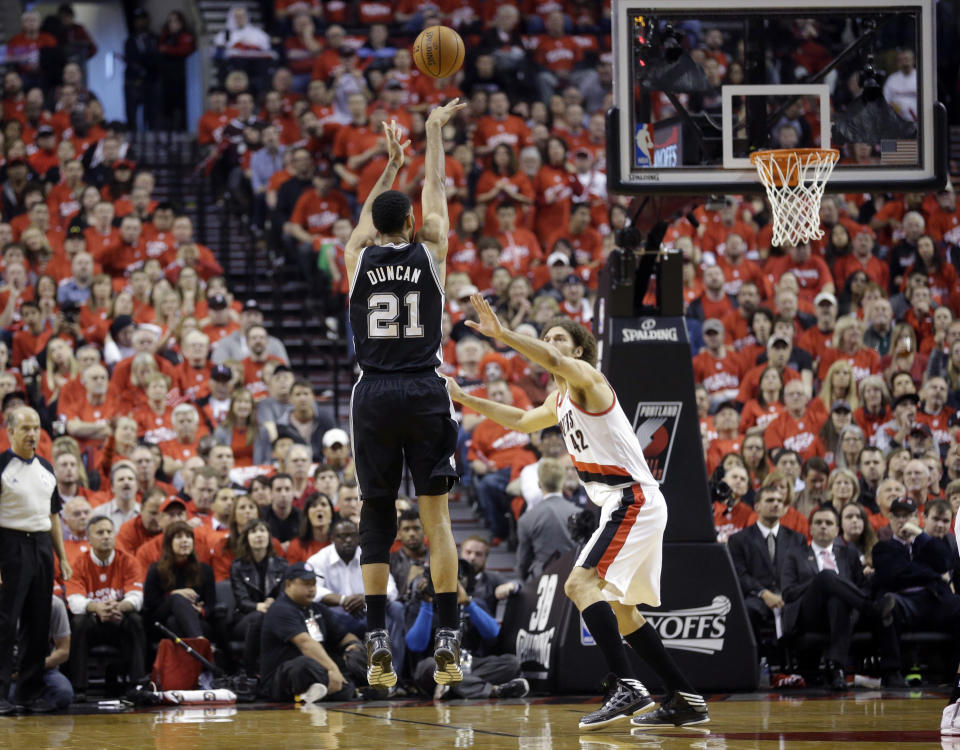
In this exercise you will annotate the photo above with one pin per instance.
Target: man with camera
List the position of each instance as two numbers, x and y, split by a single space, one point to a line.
485 674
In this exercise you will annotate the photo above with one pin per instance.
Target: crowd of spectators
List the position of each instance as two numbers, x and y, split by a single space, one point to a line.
190 458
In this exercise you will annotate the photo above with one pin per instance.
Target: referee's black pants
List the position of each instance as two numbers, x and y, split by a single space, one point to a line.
26 593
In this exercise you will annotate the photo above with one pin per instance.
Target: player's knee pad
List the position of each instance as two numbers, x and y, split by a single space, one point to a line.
378 529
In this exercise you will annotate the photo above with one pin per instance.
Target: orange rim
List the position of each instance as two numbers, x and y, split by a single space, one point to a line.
787 164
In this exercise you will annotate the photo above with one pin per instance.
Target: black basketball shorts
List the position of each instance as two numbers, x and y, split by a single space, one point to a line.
396 417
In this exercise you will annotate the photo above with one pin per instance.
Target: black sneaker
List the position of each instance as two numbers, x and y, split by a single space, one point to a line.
7 708
446 653
516 688
39 706
622 698
683 709
380 672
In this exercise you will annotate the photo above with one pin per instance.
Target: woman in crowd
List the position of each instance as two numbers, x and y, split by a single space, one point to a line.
903 356
838 418
753 451
256 577
503 181
768 405
259 491
852 441
95 312
842 487
242 512
242 431
856 531
761 326
462 250
839 385
316 521
89 197
851 296
179 590
874 409
61 368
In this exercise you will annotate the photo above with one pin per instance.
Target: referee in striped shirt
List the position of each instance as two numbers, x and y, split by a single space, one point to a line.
29 532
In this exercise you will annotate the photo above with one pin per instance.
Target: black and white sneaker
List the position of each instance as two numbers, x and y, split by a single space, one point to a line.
683 709
380 671
446 653
622 698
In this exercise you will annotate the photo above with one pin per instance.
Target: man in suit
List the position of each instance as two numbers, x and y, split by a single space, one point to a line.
916 568
758 554
542 530
822 583
937 517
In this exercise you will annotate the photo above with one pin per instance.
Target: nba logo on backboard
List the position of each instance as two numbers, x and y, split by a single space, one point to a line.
656 426
643 146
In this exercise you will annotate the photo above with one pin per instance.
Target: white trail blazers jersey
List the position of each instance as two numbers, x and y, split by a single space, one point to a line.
603 445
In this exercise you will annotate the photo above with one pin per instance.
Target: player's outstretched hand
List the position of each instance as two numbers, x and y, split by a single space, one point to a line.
487 321
440 116
395 143
456 392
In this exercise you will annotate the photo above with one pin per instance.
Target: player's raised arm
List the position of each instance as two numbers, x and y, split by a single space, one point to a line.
436 221
577 373
364 233
509 416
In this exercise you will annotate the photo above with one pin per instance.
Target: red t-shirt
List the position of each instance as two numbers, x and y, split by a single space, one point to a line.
799 435
718 374
317 213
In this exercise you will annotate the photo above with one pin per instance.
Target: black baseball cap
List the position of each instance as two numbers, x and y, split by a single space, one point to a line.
75 233
251 304
303 571
221 373
903 505
903 397
573 279
217 302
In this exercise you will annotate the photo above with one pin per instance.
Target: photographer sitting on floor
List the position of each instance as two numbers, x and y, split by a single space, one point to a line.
484 676
304 655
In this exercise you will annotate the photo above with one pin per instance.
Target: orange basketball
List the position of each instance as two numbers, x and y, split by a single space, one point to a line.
438 51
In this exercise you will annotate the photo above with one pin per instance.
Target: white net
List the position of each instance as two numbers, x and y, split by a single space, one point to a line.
794 181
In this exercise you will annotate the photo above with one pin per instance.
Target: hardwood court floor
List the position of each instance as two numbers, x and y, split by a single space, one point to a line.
856 720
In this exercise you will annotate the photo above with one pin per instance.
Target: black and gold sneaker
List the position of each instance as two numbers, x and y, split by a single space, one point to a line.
380 672
446 653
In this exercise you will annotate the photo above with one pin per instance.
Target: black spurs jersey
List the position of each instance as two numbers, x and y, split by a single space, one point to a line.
396 306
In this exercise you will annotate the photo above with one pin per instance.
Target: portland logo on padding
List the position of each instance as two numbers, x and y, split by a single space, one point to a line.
656 423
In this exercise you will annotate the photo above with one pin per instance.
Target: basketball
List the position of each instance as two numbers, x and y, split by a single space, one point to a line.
438 51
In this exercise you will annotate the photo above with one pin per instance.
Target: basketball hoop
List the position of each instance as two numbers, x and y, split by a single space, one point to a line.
794 180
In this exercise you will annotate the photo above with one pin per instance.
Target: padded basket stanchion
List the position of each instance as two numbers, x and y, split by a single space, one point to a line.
794 180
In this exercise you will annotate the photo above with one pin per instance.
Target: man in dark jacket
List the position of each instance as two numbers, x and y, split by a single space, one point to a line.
916 568
822 583
759 552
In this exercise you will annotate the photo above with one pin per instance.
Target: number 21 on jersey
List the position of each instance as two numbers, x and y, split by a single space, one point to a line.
383 313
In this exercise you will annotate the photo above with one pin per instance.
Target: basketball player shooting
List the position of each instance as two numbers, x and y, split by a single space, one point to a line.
400 409
619 567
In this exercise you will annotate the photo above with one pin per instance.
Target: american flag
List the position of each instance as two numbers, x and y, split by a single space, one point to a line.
899 152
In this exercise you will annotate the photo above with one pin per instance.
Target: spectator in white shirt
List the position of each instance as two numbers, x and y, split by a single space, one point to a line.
900 88
340 587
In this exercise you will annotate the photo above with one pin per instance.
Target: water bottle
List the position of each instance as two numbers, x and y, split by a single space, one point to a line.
764 673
